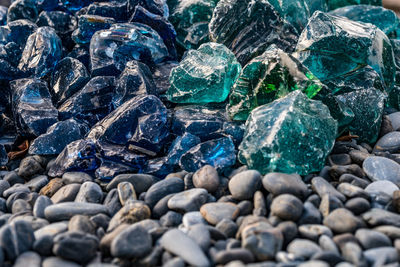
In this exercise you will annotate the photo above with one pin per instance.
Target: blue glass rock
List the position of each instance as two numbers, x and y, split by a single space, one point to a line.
259 27
42 51
284 135
140 123
161 73
205 75
19 31
219 153
154 6
383 18
32 107
159 167
109 169
88 25
80 155
181 145
9 72
121 154
190 19
111 49
11 52
113 9
81 53
22 9
3 156
75 5
160 24
47 5
92 102
331 46
57 137
334 4
69 76
136 79
3 15
63 23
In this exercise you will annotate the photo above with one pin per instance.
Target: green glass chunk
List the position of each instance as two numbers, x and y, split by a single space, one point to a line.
383 18
205 75
293 134
333 4
331 46
272 75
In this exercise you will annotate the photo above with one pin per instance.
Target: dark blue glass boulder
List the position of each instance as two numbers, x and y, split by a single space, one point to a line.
140 123
11 52
22 9
159 167
3 15
136 79
111 49
47 5
81 53
79 155
161 74
113 9
259 26
109 169
42 51
219 153
69 76
32 107
18 31
92 102
75 5
8 71
88 25
160 24
158 7
63 23
3 156
57 137
179 146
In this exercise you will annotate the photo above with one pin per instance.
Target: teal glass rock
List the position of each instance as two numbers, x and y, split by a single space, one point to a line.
205 75
293 134
270 76
331 46
383 18
333 4
298 12
190 19
248 28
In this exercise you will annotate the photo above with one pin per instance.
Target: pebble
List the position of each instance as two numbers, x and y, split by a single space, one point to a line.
131 213
390 142
37 183
66 210
390 231
327 244
226 256
314 231
192 218
352 191
161 207
287 207
395 120
303 248
89 192
281 183
381 256
29 258
380 168
328 204
133 242
354 180
357 205
171 219
339 159
310 215
244 184
52 187
141 182
342 221
227 227
57 262
376 217
213 213
260 208
66 193
206 177
75 246
163 188
81 223
372 239
126 192
13 178
16 238
76 178
29 166
201 235
352 253
189 200
4 185
322 188
178 243
378 187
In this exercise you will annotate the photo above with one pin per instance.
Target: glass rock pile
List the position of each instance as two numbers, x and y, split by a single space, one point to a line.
157 86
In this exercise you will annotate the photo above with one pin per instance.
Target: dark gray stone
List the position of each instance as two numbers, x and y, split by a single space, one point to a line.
281 183
16 238
376 217
163 188
189 200
244 184
380 168
215 212
89 192
76 178
81 223
65 211
287 207
29 258
372 239
206 177
141 182
342 221
41 203
37 183
133 242
390 142
322 188
303 248
357 205
66 193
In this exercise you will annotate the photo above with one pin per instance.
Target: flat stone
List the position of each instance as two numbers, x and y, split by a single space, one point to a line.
244 184
287 207
163 188
89 192
376 217
176 242
133 242
342 221
303 248
395 120
322 187
28 258
372 239
56 261
189 200
41 203
215 212
131 213
16 238
66 210
390 142
282 183
380 168
141 182
76 178
66 193
382 186
206 177
226 256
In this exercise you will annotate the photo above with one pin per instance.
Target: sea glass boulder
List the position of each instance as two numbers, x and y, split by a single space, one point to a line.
190 19
92 103
265 78
249 27
219 153
57 137
88 25
298 12
334 4
284 135
79 155
386 20
331 46
140 123
32 107
111 49
205 75
42 51
69 76
136 79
